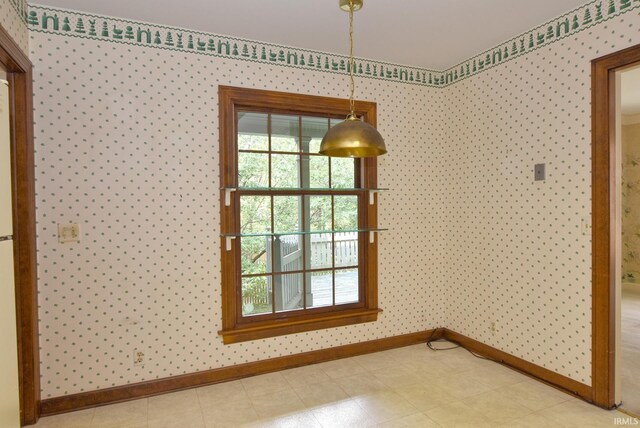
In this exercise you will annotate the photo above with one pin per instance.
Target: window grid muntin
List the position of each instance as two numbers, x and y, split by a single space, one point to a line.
303 220
254 275
273 191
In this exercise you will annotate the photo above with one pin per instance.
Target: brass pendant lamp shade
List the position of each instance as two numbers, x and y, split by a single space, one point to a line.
352 138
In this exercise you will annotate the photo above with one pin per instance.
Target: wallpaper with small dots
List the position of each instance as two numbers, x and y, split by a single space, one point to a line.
517 250
13 19
127 146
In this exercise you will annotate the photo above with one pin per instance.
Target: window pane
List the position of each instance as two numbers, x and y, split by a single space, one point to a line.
334 121
255 214
287 253
321 289
253 132
320 248
253 170
285 133
318 171
346 245
346 286
255 252
288 292
286 212
343 173
319 212
346 212
313 130
256 295
314 145
285 171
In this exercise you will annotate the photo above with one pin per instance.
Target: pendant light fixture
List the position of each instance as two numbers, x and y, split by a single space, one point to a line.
352 138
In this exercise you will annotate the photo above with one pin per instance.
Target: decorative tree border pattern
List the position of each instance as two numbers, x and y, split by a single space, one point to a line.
79 24
21 7
84 25
581 18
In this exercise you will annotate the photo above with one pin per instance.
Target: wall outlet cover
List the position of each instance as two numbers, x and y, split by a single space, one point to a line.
138 358
68 233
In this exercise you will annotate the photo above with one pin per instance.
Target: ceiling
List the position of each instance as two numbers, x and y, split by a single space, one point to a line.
630 91
435 34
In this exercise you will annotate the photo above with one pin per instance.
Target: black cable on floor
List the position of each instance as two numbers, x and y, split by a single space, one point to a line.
430 342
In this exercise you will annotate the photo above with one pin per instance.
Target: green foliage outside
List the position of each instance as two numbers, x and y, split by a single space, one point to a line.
253 171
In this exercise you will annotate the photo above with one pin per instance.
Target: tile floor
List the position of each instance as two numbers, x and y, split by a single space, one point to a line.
630 359
405 387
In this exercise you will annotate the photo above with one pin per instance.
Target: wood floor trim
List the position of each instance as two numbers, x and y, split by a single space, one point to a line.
118 394
547 376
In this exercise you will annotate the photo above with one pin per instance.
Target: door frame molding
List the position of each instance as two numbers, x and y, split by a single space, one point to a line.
604 220
19 75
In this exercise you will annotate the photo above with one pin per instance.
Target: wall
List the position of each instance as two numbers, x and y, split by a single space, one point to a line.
519 246
128 148
13 18
630 201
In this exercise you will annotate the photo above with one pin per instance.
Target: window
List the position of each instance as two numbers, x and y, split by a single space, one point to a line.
299 244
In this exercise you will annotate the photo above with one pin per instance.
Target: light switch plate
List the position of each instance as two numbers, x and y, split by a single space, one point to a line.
68 233
539 171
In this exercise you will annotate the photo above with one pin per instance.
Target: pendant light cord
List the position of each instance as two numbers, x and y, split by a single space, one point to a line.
352 62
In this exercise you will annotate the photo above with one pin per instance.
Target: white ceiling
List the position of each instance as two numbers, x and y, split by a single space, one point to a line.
630 91
433 34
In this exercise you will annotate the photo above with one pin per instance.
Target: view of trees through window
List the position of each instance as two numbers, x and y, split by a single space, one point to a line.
298 216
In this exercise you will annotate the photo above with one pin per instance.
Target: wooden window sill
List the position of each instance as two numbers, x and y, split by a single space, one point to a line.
262 330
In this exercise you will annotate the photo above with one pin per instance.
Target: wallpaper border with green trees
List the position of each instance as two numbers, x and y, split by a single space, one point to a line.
79 24
579 19
21 7
84 25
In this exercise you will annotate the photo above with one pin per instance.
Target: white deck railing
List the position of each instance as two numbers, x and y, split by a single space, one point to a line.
287 257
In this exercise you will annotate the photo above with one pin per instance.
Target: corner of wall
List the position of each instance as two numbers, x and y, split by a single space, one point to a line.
13 18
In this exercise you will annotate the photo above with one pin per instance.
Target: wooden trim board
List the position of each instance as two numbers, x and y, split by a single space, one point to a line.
118 394
525 367
604 217
19 74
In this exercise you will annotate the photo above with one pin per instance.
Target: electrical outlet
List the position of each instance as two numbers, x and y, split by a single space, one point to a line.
68 233
138 358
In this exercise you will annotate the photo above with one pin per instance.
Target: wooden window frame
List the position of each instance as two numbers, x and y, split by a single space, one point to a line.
235 328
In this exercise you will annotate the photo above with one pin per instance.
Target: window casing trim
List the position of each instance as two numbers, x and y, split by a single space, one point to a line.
235 327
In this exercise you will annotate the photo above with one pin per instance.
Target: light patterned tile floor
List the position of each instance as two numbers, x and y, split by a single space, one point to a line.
630 359
406 387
